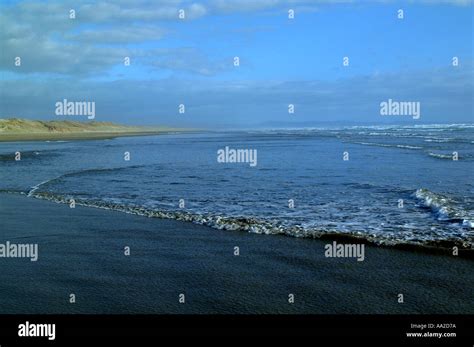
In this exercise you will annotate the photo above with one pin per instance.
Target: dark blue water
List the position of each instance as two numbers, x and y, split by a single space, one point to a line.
400 184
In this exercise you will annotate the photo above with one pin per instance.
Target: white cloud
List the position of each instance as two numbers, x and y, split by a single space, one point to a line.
49 42
244 102
115 34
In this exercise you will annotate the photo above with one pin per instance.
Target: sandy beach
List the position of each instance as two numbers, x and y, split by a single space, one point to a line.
14 129
81 251
75 136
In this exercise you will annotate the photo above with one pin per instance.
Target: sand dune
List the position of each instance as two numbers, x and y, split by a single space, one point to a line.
15 129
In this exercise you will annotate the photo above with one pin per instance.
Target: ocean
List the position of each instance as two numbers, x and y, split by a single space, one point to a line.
398 184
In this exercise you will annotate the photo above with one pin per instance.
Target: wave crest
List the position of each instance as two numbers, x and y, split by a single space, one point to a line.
257 226
444 208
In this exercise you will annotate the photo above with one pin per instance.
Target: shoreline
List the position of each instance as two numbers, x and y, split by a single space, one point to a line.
82 136
16 129
440 247
81 252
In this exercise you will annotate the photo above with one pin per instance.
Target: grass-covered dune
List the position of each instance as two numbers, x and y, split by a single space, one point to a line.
14 129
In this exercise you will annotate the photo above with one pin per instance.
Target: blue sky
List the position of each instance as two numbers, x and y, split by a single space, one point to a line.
282 61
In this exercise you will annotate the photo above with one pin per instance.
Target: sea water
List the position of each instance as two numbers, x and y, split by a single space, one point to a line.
386 184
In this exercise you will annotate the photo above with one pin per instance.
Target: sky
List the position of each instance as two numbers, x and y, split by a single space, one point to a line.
282 60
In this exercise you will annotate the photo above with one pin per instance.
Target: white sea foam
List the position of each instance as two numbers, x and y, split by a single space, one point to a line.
272 227
388 145
440 156
409 147
440 140
445 208
33 189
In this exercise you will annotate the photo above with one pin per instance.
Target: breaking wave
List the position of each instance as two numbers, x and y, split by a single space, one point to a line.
441 156
258 226
444 208
387 145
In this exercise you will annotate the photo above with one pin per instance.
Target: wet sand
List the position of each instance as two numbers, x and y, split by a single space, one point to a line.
81 251
75 136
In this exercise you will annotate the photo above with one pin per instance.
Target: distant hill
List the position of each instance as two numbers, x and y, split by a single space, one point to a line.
15 129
